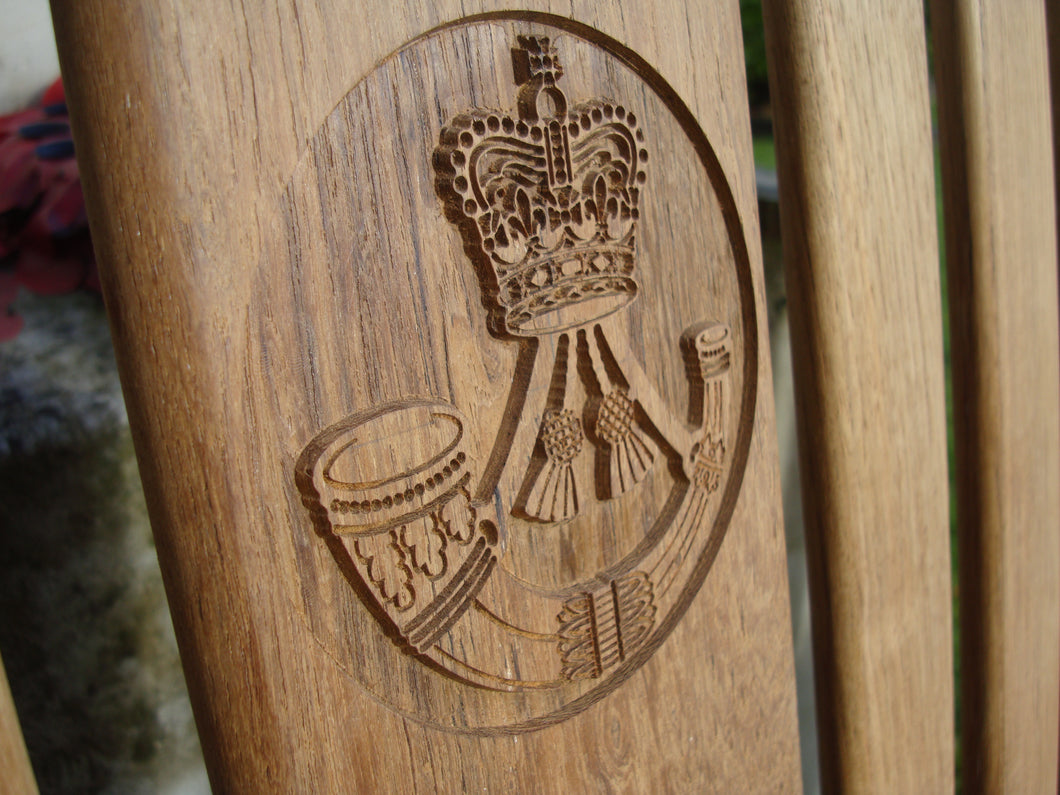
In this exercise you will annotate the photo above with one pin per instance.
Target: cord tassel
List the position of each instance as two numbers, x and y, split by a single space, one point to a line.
553 492
554 497
630 453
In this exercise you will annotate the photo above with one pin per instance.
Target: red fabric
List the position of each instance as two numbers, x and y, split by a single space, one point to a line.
44 242
54 94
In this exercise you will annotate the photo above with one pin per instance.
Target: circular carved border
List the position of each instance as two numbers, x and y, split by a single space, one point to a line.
462 522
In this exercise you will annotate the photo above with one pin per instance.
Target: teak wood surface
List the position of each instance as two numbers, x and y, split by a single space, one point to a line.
853 129
994 125
14 761
309 302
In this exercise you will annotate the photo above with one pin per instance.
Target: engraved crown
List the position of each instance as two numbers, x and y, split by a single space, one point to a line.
546 202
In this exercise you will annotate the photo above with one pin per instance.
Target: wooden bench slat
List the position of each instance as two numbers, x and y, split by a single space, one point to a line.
850 98
992 76
241 336
17 774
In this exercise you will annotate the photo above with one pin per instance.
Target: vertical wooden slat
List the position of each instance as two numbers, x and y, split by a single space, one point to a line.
204 137
850 94
1052 27
1001 252
16 775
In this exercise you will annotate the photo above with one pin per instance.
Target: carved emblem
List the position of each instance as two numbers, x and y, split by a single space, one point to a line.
548 203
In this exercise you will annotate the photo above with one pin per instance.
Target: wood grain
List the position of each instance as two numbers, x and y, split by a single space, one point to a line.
17 777
849 86
300 311
994 126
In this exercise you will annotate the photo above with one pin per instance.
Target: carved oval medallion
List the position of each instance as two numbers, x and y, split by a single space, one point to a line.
530 344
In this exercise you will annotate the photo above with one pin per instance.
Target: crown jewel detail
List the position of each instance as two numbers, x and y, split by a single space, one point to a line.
547 202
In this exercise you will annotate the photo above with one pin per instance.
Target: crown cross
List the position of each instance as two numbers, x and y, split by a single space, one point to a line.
536 59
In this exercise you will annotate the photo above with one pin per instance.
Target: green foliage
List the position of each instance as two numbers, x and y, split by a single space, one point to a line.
764 151
754 45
